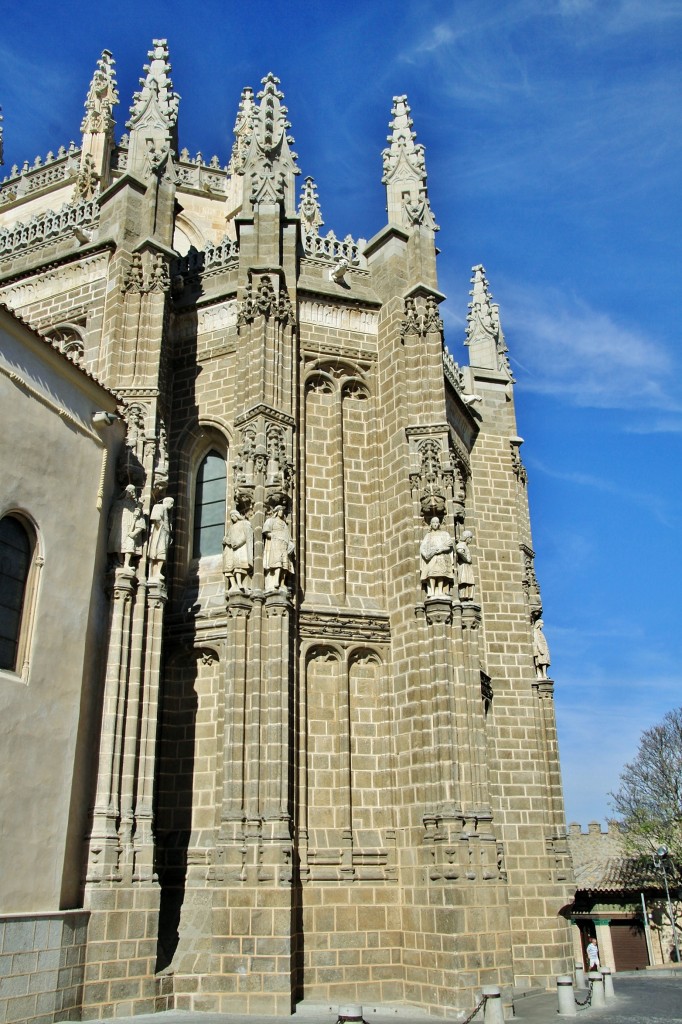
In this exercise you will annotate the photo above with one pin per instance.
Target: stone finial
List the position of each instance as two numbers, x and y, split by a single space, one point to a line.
1 141
268 162
309 208
155 103
102 97
153 118
405 173
487 347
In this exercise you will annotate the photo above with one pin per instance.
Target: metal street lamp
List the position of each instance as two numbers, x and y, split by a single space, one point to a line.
659 864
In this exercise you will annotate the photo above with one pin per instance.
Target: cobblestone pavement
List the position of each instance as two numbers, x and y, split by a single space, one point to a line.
640 999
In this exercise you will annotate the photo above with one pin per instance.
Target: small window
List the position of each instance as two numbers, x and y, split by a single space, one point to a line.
210 506
16 553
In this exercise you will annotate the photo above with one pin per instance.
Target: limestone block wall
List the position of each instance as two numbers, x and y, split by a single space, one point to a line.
69 294
525 786
42 963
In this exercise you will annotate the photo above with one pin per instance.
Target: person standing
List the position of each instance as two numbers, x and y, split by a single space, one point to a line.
593 955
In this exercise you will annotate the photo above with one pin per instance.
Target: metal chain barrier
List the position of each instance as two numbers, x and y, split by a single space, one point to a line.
467 1020
588 998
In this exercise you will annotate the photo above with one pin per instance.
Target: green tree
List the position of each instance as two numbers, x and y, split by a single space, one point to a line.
648 803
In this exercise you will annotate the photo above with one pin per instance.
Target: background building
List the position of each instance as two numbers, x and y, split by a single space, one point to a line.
621 900
327 765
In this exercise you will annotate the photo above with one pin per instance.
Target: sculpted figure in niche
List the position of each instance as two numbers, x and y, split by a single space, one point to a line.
126 528
465 571
436 559
237 552
278 549
160 539
540 650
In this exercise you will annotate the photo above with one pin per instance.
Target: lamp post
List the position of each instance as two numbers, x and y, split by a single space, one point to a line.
659 864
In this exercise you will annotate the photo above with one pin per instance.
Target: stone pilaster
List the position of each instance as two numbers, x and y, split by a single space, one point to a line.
103 860
143 839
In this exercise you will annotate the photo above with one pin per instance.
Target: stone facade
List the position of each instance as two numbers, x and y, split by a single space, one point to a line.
328 766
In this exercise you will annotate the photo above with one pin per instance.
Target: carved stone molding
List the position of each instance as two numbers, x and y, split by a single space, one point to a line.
421 320
517 463
343 318
58 279
142 276
530 584
317 624
438 610
268 412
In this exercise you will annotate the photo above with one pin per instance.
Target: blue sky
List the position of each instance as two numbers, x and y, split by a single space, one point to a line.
553 134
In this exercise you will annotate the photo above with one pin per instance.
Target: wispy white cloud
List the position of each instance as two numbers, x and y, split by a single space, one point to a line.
580 137
656 425
562 346
619 17
657 506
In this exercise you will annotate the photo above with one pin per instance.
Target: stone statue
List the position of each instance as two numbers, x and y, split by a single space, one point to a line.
278 549
237 552
465 571
436 558
160 539
126 527
540 650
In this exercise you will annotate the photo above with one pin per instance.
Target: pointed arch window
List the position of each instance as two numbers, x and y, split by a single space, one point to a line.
17 548
210 505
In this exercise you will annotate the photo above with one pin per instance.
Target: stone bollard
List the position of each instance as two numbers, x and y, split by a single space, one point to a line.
609 993
580 976
350 1014
598 1001
564 991
493 1011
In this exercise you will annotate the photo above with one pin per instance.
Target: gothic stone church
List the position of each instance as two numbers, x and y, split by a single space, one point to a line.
277 728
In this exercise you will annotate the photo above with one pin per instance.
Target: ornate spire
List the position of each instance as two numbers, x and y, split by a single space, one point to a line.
94 173
243 130
309 208
269 164
405 172
155 103
487 347
153 117
102 97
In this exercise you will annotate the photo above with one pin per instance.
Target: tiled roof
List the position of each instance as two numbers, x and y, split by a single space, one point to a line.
618 874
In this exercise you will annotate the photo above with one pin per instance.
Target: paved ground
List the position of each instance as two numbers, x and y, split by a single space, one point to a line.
641 998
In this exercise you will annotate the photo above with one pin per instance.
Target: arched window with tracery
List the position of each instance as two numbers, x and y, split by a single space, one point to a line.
210 505
17 548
